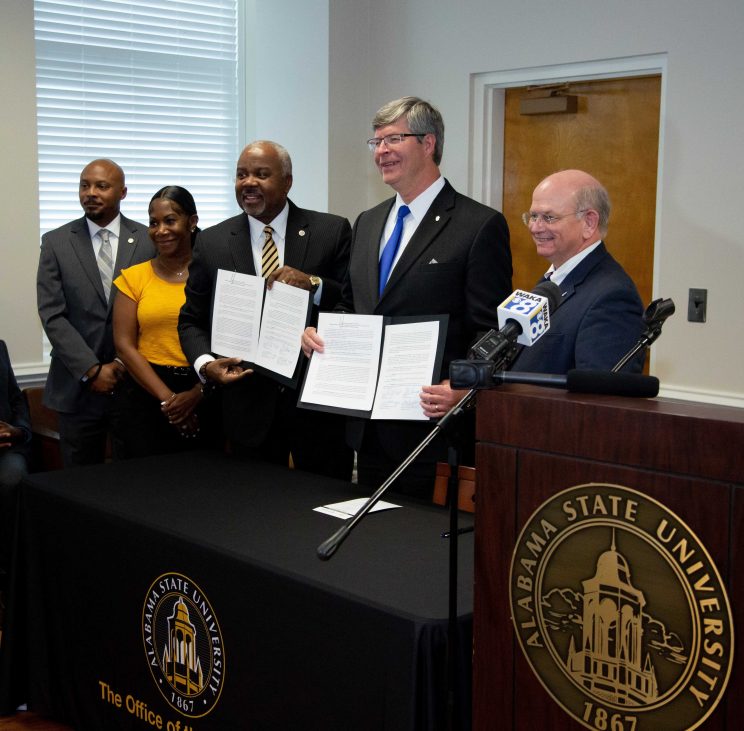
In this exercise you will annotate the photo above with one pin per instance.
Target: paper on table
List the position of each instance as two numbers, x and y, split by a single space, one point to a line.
236 315
284 319
408 358
344 375
348 508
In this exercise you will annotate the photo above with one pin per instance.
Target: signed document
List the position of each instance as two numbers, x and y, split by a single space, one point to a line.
373 366
284 319
260 326
236 314
407 364
345 374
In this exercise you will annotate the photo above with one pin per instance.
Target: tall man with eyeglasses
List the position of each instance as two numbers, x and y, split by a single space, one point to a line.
452 257
600 316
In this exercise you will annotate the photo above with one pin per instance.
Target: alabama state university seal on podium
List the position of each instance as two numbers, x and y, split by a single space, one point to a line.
620 611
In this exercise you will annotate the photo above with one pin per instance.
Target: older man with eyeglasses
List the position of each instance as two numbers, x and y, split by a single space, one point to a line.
600 315
427 251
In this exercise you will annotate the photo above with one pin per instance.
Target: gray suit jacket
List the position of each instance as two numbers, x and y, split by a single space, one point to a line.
73 308
316 243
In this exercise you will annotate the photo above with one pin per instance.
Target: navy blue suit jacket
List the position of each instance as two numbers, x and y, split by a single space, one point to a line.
598 321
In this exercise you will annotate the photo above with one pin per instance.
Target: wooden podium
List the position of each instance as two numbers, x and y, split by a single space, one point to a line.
534 442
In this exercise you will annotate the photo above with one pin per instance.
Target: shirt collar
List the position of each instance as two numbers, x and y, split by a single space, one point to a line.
112 227
559 274
279 224
421 203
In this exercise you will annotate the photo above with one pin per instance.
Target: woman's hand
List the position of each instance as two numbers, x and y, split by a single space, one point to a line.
180 406
189 427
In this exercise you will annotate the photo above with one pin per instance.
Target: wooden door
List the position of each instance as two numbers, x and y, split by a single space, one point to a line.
614 136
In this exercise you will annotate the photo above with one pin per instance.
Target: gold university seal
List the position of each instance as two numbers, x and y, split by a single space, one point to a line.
620 611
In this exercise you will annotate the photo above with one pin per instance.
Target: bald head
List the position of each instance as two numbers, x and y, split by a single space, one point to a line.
281 153
263 178
587 192
581 207
112 168
101 191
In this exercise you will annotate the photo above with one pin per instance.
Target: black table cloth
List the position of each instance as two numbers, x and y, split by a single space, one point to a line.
358 642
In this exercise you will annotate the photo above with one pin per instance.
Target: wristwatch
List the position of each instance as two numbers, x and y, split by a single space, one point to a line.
315 281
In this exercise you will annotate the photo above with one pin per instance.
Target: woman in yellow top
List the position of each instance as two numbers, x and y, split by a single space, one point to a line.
157 406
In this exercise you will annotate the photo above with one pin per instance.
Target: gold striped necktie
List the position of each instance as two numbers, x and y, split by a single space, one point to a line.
269 254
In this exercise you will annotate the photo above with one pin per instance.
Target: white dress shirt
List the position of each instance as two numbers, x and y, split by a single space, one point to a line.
419 206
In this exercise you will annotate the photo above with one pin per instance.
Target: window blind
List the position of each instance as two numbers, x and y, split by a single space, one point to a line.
151 85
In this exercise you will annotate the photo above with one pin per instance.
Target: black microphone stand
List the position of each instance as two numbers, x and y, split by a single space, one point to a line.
654 317
326 549
500 348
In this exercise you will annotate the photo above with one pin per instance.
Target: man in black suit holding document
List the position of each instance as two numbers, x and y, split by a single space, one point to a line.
276 239
449 255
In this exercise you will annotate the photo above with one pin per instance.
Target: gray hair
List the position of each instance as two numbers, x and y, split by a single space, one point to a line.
597 198
422 118
284 159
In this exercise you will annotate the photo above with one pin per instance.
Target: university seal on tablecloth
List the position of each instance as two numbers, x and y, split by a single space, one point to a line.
620 611
183 645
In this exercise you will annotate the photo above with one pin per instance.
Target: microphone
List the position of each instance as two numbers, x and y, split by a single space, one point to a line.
654 318
524 317
634 385
658 311
481 374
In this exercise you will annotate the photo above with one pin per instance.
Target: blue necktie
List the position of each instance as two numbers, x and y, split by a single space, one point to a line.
391 247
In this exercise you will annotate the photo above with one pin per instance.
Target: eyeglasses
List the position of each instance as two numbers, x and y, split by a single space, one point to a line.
546 218
392 140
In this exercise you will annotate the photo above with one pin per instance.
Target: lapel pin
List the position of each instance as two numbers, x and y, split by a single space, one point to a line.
437 218
302 232
130 240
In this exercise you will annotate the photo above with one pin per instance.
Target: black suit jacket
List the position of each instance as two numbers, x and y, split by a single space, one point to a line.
73 308
458 262
316 243
599 319
13 406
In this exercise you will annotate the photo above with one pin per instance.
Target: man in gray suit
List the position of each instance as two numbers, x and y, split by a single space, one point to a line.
452 257
273 238
77 264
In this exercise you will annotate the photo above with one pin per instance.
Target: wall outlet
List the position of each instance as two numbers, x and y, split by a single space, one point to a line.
697 305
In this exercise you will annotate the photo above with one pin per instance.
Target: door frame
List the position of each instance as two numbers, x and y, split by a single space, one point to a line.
487 101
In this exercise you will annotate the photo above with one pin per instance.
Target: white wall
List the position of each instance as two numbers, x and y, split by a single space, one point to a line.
431 48
19 194
288 64
332 63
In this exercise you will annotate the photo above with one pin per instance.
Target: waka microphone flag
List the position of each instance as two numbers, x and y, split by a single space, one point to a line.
530 310
524 317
